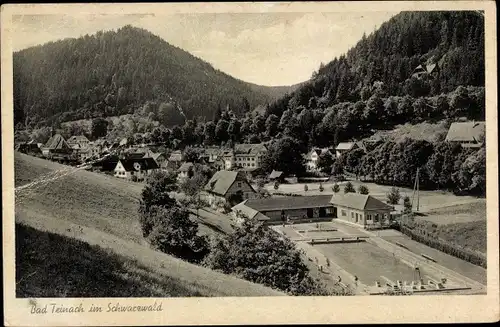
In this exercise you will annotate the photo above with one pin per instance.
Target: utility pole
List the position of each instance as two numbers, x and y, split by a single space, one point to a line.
415 190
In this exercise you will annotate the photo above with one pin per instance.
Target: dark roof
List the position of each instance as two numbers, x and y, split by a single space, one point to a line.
145 164
57 142
222 180
464 132
244 148
358 201
289 202
134 155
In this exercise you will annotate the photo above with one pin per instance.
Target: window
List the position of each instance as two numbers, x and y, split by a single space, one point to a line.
253 159
352 214
239 184
132 173
344 213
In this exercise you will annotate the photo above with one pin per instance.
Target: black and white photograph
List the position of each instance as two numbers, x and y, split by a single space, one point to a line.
265 153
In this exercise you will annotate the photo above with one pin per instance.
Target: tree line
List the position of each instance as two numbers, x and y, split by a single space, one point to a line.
115 73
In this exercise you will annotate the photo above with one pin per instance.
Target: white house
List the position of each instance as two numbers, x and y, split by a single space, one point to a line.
246 156
312 158
138 167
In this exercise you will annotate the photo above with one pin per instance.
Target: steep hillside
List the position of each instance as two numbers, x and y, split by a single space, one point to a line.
417 67
116 72
87 208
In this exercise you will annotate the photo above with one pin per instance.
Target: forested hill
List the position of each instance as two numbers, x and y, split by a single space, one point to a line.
117 72
449 46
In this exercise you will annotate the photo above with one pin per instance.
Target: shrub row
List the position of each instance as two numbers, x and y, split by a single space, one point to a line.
287 194
446 247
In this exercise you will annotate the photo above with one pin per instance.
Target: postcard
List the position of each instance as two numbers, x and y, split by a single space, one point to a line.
249 163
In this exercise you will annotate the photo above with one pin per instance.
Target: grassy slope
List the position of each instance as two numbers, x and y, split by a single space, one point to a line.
464 225
51 265
422 131
101 210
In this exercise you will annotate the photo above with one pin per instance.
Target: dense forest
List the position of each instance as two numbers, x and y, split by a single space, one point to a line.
114 73
452 41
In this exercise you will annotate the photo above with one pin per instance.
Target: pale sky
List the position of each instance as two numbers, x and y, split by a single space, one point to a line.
262 48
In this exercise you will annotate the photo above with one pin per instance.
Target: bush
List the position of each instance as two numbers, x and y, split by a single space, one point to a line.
407 204
176 234
276 185
349 188
393 196
335 188
321 188
306 188
363 189
260 255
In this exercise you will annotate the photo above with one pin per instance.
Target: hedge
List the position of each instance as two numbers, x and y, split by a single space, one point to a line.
446 247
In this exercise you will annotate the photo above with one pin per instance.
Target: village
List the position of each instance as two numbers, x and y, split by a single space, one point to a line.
311 211
147 164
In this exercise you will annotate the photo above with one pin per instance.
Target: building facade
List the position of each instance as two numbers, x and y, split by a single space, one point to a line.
246 156
225 185
361 209
276 209
137 168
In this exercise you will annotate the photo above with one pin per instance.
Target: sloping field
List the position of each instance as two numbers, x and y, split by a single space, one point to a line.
101 210
422 131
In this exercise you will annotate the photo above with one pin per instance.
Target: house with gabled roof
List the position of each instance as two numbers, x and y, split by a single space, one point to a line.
274 209
138 167
344 147
56 145
360 209
175 160
78 141
276 175
225 184
467 134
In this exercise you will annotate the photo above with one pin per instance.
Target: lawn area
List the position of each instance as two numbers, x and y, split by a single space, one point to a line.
51 265
462 213
90 199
